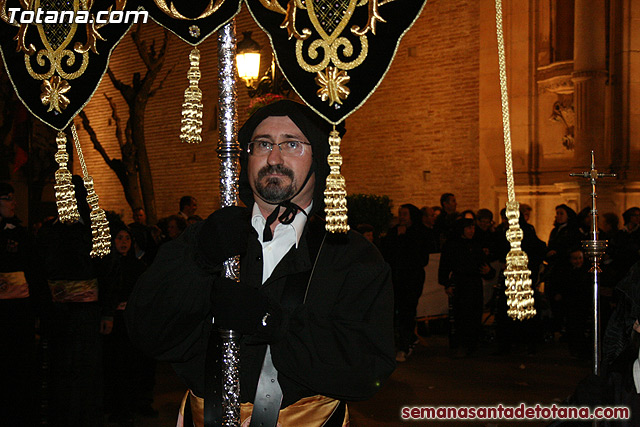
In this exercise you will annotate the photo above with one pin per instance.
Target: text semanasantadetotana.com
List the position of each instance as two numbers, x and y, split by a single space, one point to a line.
521 412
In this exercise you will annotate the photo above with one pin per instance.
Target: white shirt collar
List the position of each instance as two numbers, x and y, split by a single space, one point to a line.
258 222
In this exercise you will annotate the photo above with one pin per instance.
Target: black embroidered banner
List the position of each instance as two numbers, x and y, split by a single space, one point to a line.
56 62
334 53
194 20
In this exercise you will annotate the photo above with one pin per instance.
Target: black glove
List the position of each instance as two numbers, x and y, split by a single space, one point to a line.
225 234
237 306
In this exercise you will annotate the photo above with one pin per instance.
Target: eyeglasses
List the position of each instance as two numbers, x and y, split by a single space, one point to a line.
287 148
8 198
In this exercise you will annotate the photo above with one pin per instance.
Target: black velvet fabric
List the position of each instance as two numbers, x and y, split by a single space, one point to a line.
192 9
82 88
364 78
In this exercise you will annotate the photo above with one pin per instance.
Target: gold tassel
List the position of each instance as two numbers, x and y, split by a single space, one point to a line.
100 233
335 193
517 274
192 107
65 193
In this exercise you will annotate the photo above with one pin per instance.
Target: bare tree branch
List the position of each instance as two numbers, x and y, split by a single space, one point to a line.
165 43
116 83
141 46
118 121
86 124
153 92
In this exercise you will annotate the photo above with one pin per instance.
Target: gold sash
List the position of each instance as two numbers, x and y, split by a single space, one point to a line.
74 290
13 285
312 411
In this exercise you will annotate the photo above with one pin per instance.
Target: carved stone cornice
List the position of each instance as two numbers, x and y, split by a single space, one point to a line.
581 76
555 78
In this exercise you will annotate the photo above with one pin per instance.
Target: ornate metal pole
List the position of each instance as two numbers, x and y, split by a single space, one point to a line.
595 249
229 154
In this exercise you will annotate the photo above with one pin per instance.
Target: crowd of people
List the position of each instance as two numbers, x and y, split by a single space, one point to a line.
66 358
79 302
473 249
314 309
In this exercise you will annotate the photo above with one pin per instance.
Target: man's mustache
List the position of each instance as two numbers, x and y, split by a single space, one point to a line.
279 169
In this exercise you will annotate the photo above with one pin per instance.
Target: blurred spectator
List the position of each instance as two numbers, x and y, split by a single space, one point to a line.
22 295
445 221
145 247
188 207
193 219
175 226
405 248
485 234
525 211
463 264
468 214
82 310
367 231
127 370
429 220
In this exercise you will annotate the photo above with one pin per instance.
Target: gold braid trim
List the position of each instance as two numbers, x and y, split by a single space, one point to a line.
65 193
335 194
517 275
192 106
101 235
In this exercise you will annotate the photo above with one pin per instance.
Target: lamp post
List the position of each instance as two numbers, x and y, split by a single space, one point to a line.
248 64
248 59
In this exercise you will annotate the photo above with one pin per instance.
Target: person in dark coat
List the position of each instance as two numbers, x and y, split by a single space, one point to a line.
406 249
22 295
317 307
145 244
564 235
463 265
508 330
444 226
82 310
128 372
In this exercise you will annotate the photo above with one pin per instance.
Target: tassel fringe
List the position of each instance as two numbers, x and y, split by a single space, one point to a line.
517 274
191 129
100 233
65 193
335 193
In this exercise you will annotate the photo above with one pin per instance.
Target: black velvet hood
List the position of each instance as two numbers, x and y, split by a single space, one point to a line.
312 126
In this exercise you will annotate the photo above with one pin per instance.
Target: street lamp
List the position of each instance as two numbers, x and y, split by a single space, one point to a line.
248 64
248 59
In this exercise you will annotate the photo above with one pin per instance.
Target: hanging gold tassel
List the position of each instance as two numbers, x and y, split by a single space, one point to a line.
192 107
517 274
65 193
335 193
100 233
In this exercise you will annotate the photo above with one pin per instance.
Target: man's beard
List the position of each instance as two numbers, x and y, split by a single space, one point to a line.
274 191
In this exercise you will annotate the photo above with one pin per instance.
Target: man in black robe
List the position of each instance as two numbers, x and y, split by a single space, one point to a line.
317 306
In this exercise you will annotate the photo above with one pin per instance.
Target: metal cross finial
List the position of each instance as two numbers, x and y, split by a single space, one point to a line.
593 176
595 249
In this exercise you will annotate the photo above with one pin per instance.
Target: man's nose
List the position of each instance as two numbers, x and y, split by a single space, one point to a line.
275 156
